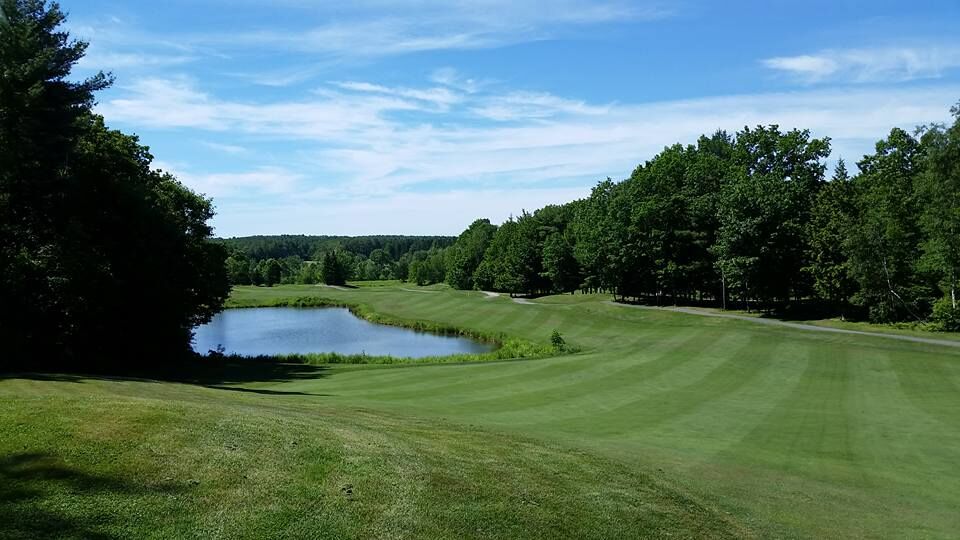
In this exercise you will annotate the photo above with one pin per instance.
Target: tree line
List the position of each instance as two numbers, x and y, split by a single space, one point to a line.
747 220
309 247
271 260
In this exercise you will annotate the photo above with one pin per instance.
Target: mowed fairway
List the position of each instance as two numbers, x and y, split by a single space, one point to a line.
663 423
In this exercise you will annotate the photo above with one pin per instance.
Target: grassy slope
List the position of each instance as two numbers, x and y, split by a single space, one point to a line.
703 426
89 458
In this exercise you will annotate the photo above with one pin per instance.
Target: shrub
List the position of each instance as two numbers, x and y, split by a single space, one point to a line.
559 344
945 317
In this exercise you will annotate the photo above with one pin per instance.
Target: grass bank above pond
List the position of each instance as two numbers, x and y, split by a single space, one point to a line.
506 347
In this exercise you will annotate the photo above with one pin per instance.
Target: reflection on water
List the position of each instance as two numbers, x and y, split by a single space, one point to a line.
305 330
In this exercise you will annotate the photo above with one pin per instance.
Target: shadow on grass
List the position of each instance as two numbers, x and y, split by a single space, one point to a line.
804 310
263 391
217 373
41 497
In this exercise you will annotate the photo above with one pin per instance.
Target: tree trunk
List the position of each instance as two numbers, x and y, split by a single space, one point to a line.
723 284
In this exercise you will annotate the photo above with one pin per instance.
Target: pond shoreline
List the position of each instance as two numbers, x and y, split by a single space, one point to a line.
506 348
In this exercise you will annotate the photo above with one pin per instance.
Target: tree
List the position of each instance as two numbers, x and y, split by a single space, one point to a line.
763 208
588 232
559 264
428 267
238 269
89 233
333 269
308 273
513 261
830 225
938 188
272 272
495 271
884 244
290 269
467 252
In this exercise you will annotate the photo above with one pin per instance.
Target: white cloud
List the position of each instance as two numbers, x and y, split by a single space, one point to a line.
113 61
812 67
439 96
398 213
870 65
379 28
356 147
531 105
254 183
448 76
225 148
176 103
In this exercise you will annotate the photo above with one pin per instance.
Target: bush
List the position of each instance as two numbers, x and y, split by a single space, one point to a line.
946 318
559 344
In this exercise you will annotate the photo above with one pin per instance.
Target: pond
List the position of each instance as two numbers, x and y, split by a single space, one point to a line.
281 330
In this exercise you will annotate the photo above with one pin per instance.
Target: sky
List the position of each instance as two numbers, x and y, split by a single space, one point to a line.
417 117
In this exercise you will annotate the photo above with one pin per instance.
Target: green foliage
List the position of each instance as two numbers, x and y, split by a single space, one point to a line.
750 218
271 271
938 189
360 258
946 315
831 220
85 222
514 260
334 268
557 341
467 253
596 230
883 245
238 269
313 247
559 264
427 268
763 209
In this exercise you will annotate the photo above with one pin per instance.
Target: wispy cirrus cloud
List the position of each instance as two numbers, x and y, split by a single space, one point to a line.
885 64
225 148
177 103
334 32
382 28
265 180
366 139
114 61
439 96
532 105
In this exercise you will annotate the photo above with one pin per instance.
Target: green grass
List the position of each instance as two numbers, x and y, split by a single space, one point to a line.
663 423
925 330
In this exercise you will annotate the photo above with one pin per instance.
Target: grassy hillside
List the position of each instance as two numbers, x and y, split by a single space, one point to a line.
665 422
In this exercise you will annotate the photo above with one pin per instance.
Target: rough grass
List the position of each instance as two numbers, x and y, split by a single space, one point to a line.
665 424
101 458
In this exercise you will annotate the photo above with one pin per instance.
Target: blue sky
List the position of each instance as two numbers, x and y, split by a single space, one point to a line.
373 116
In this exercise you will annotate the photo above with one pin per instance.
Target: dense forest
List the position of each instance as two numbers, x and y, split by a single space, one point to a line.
90 233
749 219
270 260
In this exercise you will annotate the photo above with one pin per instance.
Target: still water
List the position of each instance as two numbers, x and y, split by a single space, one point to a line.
305 330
